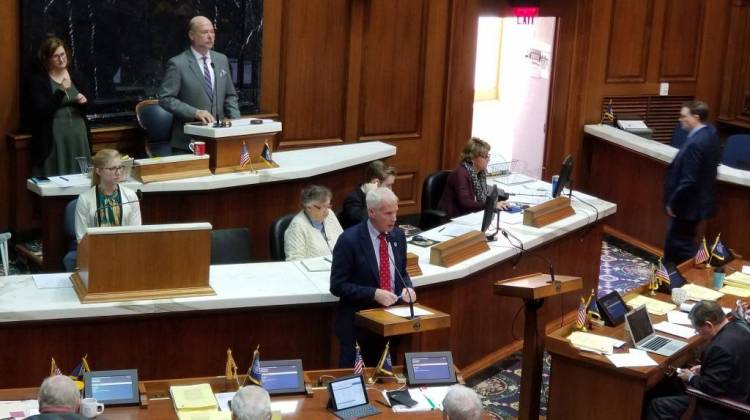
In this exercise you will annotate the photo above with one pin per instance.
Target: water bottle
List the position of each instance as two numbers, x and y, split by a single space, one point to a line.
555 180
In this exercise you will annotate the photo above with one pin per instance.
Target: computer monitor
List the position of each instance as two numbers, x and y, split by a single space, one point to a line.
489 208
112 387
430 368
282 376
564 176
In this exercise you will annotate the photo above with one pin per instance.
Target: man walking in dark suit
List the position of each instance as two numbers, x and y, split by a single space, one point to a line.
724 370
197 85
369 265
690 183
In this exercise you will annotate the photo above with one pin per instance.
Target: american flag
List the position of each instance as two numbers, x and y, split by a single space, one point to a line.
702 255
359 363
244 155
581 316
662 275
53 369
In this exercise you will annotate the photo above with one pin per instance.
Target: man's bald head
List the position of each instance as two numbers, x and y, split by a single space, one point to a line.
201 33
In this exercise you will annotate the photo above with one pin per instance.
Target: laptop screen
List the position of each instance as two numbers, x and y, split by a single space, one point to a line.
348 392
113 387
429 368
640 324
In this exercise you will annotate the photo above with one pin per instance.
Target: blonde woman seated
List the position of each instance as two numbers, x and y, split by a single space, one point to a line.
117 205
314 231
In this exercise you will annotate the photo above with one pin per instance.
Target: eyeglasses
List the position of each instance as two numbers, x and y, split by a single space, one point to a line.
58 56
114 168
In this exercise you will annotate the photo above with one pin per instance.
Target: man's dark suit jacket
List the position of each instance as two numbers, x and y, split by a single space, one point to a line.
458 195
354 275
691 177
57 416
355 208
725 370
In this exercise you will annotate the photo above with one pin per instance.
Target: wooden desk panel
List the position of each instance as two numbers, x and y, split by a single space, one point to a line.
598 384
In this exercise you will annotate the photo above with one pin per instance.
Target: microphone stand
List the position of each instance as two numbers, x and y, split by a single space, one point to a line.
398 274
520 247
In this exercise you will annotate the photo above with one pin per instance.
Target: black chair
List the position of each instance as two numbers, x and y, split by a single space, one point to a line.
739 408
737 152
432 190
69 228
230 246
157 123
276 236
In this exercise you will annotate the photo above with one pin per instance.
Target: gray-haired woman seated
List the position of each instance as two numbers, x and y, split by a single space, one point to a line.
314 231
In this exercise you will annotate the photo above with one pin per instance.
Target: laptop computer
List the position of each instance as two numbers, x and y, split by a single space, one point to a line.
643 336
349 398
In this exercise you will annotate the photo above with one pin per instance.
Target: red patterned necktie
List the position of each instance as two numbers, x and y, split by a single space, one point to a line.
385 265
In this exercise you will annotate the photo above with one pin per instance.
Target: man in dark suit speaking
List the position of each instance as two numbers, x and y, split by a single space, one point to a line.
691 183
197 85
369 270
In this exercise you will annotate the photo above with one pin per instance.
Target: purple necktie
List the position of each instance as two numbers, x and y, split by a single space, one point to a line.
207 77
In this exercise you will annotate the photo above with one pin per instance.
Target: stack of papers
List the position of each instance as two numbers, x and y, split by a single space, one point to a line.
317 264
405 312
687 307
735 291
738 280
593 342
675 329
196 402
678 317
653 306
696 292
633 358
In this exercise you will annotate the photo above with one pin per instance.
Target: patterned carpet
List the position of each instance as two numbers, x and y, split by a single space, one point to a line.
499 385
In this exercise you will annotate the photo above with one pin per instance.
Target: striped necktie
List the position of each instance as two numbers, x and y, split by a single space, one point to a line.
207 77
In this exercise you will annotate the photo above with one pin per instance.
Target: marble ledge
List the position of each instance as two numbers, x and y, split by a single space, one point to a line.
293 164
658 151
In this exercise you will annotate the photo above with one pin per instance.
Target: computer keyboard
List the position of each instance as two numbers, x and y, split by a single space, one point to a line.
656 343
358 411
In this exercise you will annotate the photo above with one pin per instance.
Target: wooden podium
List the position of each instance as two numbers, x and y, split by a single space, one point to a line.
385 324
143 262
224 144
533 289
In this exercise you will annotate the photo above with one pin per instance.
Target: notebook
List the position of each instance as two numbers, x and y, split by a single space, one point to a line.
643 335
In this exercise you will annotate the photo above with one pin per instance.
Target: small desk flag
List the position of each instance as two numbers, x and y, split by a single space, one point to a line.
722 254
82 368
702 255
244 155
385 366
230 371
359 363
53 369
253 373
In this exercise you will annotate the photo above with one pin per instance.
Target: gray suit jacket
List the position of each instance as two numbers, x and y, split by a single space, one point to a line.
183 92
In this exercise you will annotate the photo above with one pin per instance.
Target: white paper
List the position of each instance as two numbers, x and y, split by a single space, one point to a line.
679 317
687 307
28 407
632 125
317 264
403 311
746 269
674 329
416 395
52 281
223 398
455 229
72 180
634 358
471 219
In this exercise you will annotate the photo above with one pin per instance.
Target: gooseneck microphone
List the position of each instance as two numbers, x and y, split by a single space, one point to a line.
392 243
520 247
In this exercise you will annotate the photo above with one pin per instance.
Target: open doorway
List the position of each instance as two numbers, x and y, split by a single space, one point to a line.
511 90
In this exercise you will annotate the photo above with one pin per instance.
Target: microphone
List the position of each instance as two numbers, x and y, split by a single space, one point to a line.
138 193
520 247
390 240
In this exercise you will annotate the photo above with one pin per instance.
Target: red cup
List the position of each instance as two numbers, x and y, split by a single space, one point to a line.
197 147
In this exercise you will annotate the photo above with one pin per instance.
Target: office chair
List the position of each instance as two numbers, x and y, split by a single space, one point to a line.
737 152
157 123
230 246
432 190
679 135
69 228
738 407
278 228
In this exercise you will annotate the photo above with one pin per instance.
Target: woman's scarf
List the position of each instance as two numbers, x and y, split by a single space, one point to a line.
478 182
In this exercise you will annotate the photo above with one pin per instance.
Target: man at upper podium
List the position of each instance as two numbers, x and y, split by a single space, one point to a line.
197 85
369 271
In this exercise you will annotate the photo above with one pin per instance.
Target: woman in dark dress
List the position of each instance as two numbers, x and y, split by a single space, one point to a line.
466 188
58 105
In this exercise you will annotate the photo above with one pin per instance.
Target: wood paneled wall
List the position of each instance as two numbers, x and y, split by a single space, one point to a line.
735 99
345 71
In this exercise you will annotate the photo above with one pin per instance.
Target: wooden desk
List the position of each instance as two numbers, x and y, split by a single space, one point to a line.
160 405
585 385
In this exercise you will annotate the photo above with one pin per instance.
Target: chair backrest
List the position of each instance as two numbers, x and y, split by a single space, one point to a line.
679 135
276 236
737 152
230 246
432 189
69 224
155 120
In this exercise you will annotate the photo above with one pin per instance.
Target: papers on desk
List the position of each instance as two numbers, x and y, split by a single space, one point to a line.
471 219
73 180
453 229
633 358
739 279
687 307
594 343
696 292
674 329
679 317
746 269
52 281
653 306
735 291
404 312
192 397
18 409
427 398
317 264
